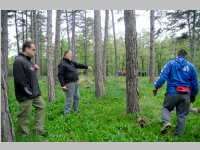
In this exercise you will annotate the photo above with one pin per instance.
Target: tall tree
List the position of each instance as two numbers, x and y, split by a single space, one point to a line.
51 90
26 12
16 29
36 39
68 35
105 50
131 62
152 48
115 46
73 33
7 132
57 44
23 23
86 39
99 85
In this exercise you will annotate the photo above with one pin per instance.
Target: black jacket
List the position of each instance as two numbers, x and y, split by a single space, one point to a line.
25 78
67 71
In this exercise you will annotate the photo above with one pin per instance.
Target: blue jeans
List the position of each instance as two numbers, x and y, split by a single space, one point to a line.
182 104
72 92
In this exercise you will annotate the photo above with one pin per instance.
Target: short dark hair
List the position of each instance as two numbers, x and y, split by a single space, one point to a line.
182 53
66 52
27 44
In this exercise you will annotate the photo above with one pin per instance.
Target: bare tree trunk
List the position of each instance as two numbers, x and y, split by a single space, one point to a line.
26 25
7 133
16 29
99 86
193 47
115 46
105 50
57 44
32 27
22 26
51 84
68 36
73 34
152 48
131 62
36 41
86 41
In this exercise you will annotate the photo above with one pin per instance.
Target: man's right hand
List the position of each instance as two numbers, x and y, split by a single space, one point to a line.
64 88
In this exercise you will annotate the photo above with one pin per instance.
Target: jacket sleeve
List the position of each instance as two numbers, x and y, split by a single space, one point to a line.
20 76
163 76
61 75
194 83
80 66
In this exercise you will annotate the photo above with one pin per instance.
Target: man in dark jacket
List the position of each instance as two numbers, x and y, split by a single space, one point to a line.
68 78
27 91
182 87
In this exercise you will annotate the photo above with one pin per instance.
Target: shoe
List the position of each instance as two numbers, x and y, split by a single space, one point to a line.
77 111
41 132
165 128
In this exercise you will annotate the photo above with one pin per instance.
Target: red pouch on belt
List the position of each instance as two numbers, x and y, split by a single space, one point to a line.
182 89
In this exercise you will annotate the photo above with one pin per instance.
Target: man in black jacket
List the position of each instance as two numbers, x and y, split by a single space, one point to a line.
27 91
68 78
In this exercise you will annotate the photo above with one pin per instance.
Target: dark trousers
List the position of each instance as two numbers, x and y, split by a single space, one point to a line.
182 104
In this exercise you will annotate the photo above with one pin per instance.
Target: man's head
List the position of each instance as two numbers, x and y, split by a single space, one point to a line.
29 49
68 55
182 53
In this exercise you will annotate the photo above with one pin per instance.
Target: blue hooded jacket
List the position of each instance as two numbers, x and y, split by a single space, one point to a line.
178 72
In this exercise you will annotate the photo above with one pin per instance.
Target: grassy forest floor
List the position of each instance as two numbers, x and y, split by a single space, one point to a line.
105 119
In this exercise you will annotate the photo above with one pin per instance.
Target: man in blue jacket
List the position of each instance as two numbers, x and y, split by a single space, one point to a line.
182 87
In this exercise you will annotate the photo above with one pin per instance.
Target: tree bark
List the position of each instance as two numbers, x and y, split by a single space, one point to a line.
193 46
86 41
68 35
36 41
73 34
115 46
131 62
26 25
16 29
57 44
7 132
22 21
152 48
105 50
99 86
51 90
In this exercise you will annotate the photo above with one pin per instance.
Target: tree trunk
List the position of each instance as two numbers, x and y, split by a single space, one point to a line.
152 48
26 25
115 46
32 27
68 36
7 132
86 41
131 62
57 44
73 34
105 50
193 47
36 41
99 86
51 90
22 26
16 29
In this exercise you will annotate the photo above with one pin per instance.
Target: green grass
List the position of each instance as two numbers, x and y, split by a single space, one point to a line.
105 119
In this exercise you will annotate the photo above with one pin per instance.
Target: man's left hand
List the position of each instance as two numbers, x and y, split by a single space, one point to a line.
36 66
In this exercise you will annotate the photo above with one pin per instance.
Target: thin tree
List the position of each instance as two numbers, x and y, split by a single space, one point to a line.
26 12
152 48
7 132
16 29
115 46
22 22
86 39
73 33
99 85
68 35
57 44
131 62
105 50
51 90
